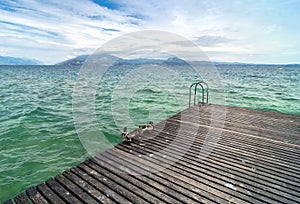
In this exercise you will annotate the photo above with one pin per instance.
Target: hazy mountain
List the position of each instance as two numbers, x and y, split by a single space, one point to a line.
175 61
137 61
6 60
79 60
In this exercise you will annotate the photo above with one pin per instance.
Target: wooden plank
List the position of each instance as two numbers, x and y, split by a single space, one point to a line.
108 192
49 194
191 181
170 191
249 116
280 148
35 196
21 199
236 148
134 179
100 197
75 190
259 120
286 123
266 160
164 180
261 134
239 137
65 194
193 170
106 178
194 162
8 202
136 191
239 162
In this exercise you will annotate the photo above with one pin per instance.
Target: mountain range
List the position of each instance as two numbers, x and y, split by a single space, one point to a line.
6 60
79 60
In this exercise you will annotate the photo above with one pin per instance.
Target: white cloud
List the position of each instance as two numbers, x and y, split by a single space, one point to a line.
73 26
52 30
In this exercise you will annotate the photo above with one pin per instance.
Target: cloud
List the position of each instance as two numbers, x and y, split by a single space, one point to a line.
66 26
208 40
75 27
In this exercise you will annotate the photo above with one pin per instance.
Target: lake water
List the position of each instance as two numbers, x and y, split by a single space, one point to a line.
38 138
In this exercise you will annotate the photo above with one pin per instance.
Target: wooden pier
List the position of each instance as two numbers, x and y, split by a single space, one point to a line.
256 159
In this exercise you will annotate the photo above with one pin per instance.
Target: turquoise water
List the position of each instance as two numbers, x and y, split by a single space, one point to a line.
37 134
270 88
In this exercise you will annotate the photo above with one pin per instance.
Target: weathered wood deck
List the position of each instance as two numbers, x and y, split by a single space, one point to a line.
256 160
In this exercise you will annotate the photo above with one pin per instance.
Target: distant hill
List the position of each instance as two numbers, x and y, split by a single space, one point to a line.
175 61
6 60
79 60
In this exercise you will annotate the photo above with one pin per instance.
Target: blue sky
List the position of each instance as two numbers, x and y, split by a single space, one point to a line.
235 31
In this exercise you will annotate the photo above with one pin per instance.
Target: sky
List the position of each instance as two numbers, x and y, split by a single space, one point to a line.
51 31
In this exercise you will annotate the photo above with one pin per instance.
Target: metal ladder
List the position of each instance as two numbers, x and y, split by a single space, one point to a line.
200 83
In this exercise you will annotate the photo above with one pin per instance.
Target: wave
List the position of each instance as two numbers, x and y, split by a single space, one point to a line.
255 76
269 109
232 92
255 98
290 99
147 90
238 87
55 113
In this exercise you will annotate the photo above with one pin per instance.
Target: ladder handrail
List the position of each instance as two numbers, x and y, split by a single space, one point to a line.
200 83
